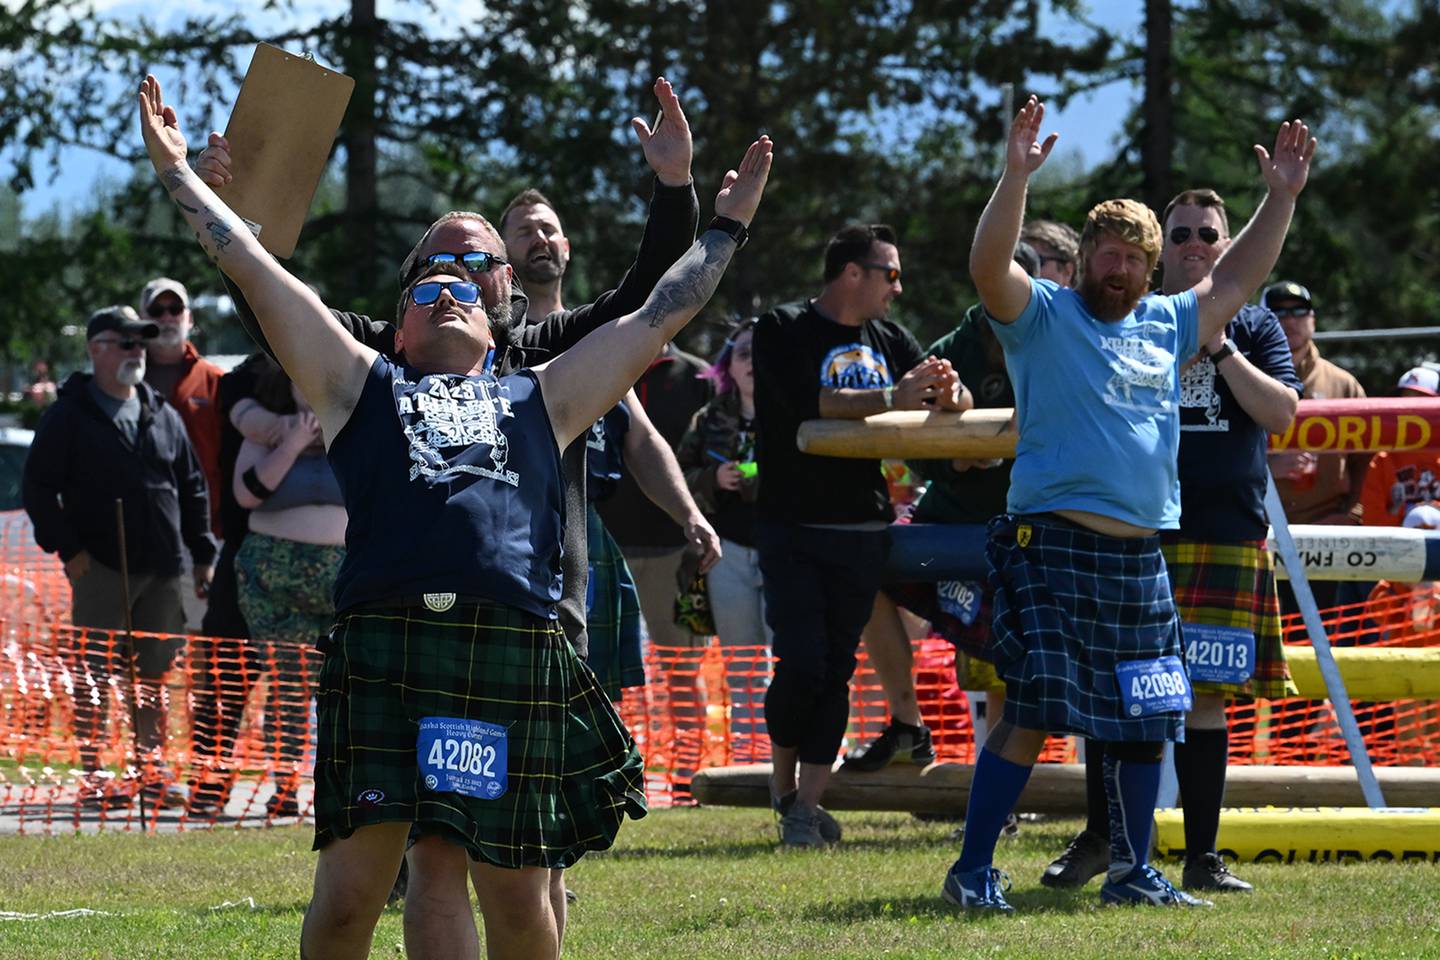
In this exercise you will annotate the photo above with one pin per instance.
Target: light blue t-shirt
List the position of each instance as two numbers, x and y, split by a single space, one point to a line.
1099 405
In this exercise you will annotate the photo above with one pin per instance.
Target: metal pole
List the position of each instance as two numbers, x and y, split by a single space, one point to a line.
130 654
1334 684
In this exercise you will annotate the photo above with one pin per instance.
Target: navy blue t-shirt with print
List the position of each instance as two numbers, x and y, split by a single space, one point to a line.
605 453
798 351
1222 450
454 490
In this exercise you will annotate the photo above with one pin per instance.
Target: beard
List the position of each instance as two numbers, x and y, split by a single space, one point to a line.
131 372
1106 303
170 337
541 272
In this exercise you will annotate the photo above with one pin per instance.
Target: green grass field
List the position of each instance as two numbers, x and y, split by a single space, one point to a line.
711 884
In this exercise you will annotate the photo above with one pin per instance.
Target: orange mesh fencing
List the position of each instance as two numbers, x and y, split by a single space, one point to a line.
225 736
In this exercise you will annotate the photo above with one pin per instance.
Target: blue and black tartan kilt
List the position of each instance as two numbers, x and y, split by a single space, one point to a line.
1069 606
574 772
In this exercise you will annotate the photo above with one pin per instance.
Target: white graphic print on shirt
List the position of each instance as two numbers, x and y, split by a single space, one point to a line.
1197 389
1140 374
445 417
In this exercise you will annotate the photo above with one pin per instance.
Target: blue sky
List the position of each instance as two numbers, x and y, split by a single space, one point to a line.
1088 126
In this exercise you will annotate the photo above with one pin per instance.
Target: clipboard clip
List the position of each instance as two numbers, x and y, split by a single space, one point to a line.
310 55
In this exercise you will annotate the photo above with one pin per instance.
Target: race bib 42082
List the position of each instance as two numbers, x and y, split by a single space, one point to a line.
1148 687
469 757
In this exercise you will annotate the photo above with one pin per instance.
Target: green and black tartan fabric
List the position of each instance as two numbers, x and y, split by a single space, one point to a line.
612 614
574 771
1232 585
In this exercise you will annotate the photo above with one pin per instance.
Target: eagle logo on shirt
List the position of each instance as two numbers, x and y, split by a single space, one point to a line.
854 366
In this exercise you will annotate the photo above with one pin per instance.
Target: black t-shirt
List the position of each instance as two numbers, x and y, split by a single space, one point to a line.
797 353
1222 450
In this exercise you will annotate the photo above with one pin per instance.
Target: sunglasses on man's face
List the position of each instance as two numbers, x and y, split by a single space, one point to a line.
891 274
158 310
1298 311
1179 235
461 291
476 261
126 344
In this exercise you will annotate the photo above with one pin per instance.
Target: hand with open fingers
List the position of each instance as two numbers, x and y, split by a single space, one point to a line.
213 164
1024 153
1286 170
668 148
742 188
921 387
163 140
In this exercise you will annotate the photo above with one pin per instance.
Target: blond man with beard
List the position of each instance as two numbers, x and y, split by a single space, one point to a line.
110 437
1085 632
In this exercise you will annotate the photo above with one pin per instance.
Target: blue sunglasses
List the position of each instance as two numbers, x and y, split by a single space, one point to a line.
476 261
461 291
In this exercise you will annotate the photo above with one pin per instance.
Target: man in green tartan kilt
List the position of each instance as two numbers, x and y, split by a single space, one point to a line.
449 700
1240 387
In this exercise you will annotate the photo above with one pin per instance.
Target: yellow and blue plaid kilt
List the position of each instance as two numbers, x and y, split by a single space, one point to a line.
1069 606
1232 585
574 772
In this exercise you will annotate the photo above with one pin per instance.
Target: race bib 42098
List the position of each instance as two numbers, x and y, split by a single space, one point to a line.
469 757
1148 687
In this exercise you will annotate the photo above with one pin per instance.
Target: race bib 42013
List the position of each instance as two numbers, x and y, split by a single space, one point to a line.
1219 654
468 757
1148 687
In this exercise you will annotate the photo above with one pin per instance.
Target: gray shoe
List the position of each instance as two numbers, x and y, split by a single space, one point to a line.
800 828
829 827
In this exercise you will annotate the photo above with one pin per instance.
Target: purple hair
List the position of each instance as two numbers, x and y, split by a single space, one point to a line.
718 372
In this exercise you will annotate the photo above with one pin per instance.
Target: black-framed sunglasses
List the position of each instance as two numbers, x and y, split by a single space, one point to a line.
128 343
1300 311
476 261
158 310
426 293
1179 235
892 274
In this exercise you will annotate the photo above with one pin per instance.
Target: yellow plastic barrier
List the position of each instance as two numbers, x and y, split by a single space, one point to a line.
1313 834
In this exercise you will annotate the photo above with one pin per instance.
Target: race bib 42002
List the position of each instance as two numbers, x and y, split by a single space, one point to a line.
1148 687
469 757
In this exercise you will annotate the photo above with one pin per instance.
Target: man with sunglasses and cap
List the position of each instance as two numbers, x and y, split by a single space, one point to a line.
1239 388
179 374
1314 488
110 436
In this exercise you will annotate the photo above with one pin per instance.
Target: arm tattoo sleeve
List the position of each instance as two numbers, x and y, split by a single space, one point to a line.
688 285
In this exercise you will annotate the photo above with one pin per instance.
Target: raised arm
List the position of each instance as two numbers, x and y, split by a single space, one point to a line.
1251 257
1003 284
588 379
327 365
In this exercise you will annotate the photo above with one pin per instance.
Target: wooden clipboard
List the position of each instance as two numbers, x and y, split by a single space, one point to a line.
280 132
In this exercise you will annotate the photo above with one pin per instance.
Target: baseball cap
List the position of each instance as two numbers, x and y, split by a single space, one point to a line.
122 319
1286 290
161 285
1421 380
1424 516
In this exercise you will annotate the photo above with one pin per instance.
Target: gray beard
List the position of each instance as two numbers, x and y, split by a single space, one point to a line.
169 337
131 372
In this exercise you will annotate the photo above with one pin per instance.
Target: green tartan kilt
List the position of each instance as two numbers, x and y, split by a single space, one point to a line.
1232 585
574 771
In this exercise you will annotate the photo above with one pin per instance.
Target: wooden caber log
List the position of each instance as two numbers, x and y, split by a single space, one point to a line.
1060 787
1320 426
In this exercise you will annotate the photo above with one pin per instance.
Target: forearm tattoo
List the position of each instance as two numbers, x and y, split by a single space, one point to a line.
688 285
213 230
173 180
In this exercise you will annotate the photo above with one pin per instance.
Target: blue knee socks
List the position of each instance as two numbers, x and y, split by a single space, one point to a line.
993 793
1131 787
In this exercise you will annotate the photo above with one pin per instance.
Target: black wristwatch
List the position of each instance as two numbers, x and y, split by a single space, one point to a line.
1227 348
734 228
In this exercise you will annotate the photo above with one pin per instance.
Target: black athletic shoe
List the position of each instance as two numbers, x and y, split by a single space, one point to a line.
897 743
1210 873
1087 856
829 827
